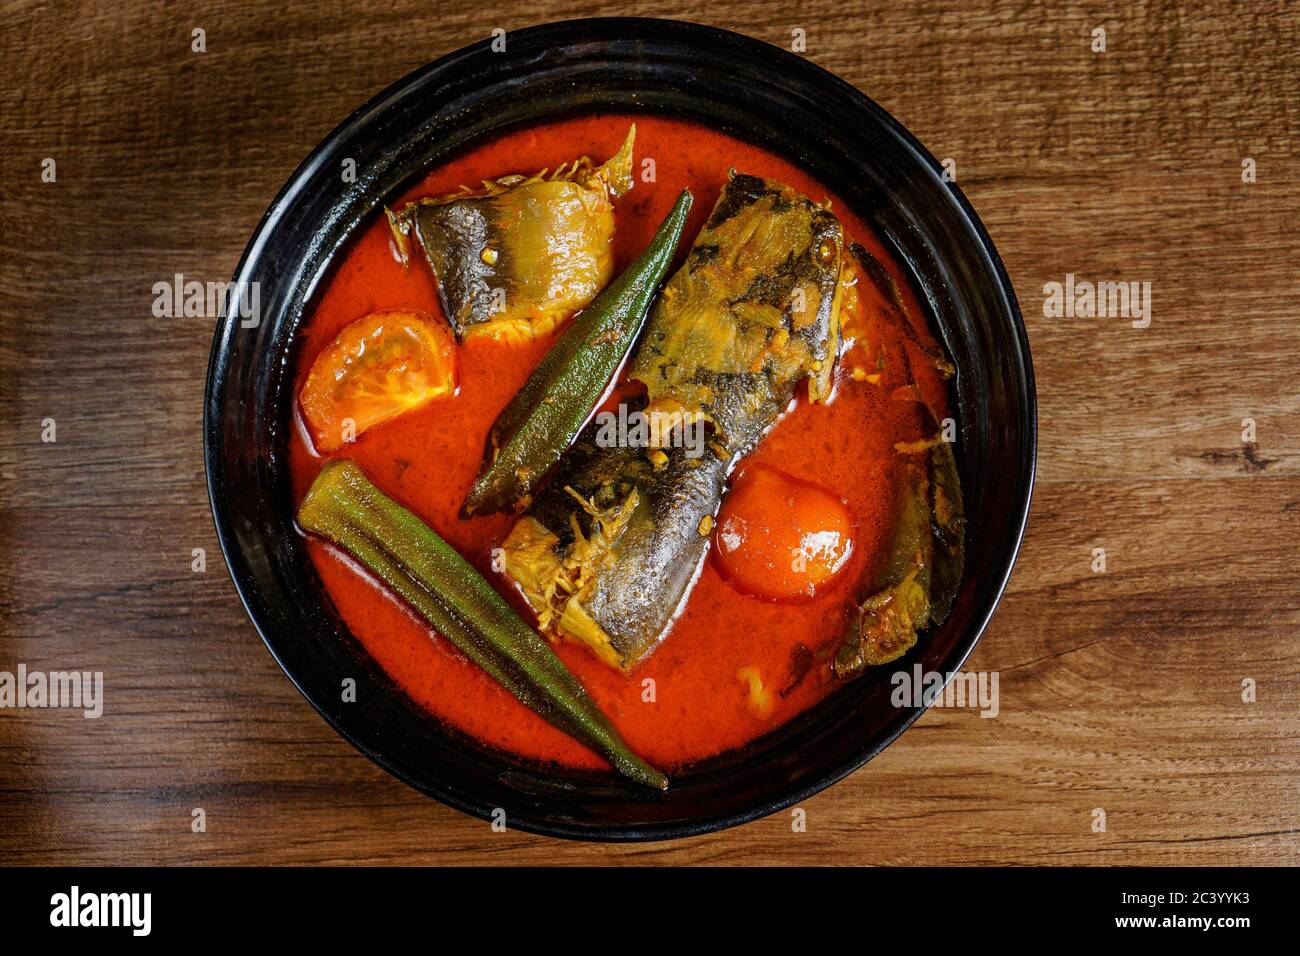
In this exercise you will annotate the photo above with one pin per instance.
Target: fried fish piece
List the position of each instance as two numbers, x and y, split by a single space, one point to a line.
919 582
609 552
523 253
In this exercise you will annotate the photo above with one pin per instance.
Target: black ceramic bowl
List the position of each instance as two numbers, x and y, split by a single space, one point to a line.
753 91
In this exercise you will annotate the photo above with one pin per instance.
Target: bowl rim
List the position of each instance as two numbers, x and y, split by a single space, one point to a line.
998 576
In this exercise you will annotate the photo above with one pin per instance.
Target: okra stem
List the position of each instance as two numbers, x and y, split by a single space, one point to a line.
404 553
533 431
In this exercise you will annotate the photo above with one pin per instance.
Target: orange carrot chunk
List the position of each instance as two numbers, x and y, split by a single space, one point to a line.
378 367
781 538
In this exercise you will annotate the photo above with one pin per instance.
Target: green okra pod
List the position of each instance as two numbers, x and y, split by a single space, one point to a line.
404 553
533 431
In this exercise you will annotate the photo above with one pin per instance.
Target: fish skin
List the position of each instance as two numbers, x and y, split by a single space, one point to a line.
655 560
523 253
773 235
465 282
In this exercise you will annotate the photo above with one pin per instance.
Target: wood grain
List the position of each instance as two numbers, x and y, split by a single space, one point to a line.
1120 690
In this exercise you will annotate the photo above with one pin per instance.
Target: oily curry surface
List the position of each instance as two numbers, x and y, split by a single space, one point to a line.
735 664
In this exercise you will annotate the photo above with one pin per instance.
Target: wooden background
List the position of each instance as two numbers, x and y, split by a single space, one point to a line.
1120 690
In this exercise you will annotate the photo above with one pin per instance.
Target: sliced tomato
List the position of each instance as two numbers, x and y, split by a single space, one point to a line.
378 367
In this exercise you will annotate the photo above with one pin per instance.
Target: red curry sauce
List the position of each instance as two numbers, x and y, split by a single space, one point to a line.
427 459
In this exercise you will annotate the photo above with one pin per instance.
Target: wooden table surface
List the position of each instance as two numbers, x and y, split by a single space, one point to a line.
1120 690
